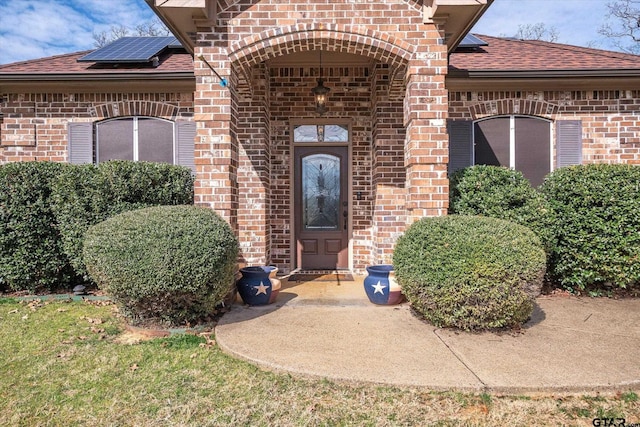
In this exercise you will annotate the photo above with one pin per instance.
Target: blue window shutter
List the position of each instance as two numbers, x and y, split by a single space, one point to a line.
568 143
80 142
185 144
460 144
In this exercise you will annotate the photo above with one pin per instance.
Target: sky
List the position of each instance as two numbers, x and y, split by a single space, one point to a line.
31 29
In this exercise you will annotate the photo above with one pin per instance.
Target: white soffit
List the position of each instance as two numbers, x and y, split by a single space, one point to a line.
457 16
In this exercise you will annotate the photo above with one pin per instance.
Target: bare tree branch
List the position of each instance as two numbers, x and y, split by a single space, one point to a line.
623 25
151 28
537 31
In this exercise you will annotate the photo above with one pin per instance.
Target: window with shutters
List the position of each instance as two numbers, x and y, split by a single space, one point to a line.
523 143
132 138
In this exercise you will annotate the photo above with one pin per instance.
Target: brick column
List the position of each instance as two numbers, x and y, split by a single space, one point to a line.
388 171
216 150
426 144
254 172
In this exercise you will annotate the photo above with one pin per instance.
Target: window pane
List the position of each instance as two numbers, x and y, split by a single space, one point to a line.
492 139
320 191
115 140
321 133
533 148
155 140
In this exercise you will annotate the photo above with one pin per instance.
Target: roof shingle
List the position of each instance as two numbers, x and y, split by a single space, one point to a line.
507 54
68 64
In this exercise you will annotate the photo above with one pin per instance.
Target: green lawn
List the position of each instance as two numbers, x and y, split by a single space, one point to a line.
65 363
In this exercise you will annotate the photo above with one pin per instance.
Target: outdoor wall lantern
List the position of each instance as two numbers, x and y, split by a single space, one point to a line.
320 93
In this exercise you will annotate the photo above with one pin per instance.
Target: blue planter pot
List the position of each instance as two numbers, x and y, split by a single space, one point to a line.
381 285
256 287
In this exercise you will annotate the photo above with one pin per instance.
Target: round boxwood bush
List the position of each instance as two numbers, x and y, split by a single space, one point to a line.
170 264
504 193
470 272
597 229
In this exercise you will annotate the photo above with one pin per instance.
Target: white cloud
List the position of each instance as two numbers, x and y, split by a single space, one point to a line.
37 28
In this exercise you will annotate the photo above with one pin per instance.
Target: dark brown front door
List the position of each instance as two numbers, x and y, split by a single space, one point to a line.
321 207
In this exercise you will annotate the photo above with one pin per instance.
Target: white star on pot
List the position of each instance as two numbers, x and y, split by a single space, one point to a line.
378 288
262 289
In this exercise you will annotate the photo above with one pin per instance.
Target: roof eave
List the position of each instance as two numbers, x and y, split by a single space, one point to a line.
97 83
180 16
537 74
457 17
510 81
48 77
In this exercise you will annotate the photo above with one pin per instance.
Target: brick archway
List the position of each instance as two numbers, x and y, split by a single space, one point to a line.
135 108
505 107
357 40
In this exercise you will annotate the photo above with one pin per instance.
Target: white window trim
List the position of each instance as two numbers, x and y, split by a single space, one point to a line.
136 155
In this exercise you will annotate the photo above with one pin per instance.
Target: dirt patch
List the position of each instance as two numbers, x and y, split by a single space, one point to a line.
131 337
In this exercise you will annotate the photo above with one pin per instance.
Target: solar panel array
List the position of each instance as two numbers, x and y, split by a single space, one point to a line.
470 41
131 49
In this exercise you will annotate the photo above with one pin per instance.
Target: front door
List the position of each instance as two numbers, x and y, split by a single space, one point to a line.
321 207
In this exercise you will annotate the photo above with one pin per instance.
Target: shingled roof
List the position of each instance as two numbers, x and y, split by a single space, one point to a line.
68 64
500 57
508 55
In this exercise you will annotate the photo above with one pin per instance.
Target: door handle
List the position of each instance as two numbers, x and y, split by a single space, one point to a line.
345 214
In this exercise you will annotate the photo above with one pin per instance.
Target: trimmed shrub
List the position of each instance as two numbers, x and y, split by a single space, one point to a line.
470 272
500 192
597 227
164 263
86 195
31 255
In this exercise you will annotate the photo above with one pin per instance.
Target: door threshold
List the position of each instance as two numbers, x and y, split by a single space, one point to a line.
301 275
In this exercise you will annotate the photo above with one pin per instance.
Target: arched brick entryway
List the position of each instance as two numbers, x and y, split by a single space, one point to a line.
355 40
395 104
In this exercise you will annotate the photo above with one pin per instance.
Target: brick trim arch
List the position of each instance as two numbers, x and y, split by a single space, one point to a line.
357 40
503 107
136 108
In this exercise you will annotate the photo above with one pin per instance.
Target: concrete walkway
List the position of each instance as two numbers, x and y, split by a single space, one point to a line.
330 330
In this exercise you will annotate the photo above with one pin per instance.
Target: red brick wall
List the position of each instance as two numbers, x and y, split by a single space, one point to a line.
254 172
388 192
34 126
349 99
243 131
610 120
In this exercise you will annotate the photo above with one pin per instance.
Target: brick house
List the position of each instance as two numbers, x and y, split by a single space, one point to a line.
411 98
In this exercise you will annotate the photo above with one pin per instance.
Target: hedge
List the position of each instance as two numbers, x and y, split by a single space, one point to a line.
597 226
31 255
470 272
504 193
86 195
169 264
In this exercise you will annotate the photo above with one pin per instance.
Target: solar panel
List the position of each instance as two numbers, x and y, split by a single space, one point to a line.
472 41
131 49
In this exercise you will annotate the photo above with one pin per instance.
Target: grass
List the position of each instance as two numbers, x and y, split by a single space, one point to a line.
65 364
